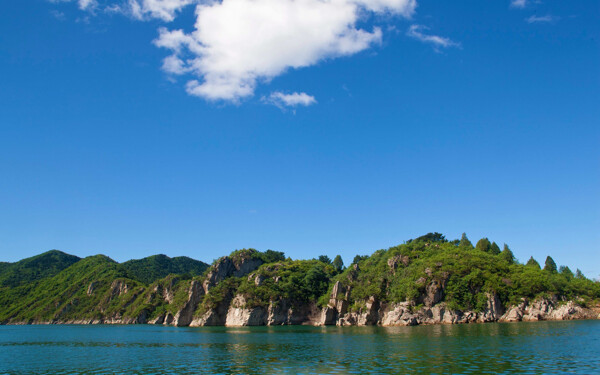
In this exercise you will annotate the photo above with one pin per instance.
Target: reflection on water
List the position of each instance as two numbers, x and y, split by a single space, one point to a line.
544 347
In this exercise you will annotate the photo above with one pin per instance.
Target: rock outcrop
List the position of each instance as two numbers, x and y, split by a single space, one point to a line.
227 267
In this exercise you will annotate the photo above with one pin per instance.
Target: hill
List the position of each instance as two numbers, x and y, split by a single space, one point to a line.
35 268
155 267
426 280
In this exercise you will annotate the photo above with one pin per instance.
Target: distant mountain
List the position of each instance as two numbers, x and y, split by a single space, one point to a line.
155 267
35 268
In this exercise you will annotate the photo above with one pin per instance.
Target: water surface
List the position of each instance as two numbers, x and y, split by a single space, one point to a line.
528 348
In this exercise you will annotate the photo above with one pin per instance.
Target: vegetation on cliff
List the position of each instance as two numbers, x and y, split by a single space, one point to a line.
57 287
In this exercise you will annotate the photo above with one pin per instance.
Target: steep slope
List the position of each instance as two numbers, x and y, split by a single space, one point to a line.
153 268
35 268
428 280
81 291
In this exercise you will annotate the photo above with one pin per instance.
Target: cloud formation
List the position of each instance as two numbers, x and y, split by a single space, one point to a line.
239 43
295 99
416 32
541 19
165 10
518 3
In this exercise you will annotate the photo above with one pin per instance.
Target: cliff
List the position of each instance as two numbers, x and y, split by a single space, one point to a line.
424 281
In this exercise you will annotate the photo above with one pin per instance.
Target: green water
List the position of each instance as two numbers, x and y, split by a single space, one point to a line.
531 348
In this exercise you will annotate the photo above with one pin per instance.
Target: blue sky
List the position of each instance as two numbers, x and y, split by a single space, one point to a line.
464 116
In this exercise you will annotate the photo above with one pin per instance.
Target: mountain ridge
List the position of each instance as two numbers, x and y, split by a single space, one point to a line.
426 280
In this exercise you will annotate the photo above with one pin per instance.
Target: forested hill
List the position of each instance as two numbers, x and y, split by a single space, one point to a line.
413 283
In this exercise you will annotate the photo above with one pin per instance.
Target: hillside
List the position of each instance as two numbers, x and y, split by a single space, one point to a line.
427 280
155 267
35 268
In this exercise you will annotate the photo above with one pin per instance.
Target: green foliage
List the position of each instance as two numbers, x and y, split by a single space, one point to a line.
430 237
495 249
35 268
464 242
358 258
484 245
299 281
271 256
507 255
550 265
566 272
338 263
58 287
533 263
325 259
155 267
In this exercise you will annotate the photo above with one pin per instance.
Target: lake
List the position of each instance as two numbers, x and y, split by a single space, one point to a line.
528 348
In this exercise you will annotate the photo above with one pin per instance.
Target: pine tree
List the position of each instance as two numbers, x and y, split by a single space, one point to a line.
550 265
532 262
507 254
495 249
566 271
464 241
484 245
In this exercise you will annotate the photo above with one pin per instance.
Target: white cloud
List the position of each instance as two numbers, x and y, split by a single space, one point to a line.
165 10
416 32
518 3
541 19
237 44
295 99
87 4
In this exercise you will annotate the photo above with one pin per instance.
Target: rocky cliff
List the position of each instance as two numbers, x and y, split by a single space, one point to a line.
420 282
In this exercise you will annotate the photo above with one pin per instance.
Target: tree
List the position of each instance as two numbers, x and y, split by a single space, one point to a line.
338 263
464 241
430 237
358 258
533 263
325 259
550 265
495 249
316 280
271 256
579 275
484 245
507 254
566 272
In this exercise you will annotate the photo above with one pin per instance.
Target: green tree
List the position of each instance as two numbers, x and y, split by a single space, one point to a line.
566 272
325 259
550 265
316 280
430 237
579 275
464 241
533 263
358 258
495 249
484 245
338 263
272 256
507 254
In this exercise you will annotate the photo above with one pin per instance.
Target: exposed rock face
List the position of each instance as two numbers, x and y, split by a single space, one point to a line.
547 309
185 316
227 267
434 293
91 288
